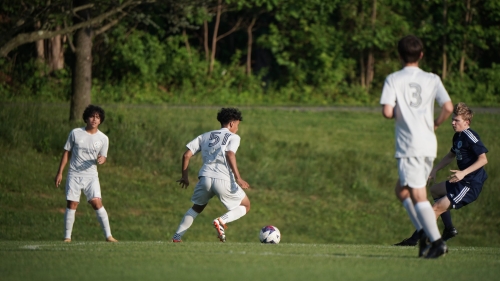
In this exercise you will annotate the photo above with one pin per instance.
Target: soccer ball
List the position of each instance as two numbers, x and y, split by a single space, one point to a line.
270 235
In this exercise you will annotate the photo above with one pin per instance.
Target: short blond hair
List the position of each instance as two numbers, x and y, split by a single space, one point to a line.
461 109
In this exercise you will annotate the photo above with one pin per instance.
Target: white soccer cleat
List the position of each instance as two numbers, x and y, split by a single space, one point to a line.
219 226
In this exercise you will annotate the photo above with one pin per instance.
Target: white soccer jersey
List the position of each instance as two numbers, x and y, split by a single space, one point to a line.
84 149
212 145
412 92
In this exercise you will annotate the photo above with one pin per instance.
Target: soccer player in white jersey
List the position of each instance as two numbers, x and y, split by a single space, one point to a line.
219 176
86 147
408 96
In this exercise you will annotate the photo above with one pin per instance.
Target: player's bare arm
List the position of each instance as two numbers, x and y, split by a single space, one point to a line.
447 159
459 175
446 111
388 111
64 159
186 157
231 159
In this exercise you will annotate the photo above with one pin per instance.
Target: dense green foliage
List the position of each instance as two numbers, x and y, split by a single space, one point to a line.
303 51
320 176
238 261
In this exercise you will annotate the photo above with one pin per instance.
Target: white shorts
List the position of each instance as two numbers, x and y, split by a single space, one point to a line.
90 186
414 171
229 194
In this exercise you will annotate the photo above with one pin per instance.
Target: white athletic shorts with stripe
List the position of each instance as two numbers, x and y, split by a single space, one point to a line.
89 185
414 171
230 194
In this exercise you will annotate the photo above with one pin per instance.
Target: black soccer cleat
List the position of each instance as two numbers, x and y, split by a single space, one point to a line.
407 242
449 233
437 249
423 245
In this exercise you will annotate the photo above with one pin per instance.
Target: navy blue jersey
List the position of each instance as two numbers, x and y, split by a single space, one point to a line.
467 146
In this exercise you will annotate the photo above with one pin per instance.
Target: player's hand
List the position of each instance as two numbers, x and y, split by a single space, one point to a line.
457 176
431 178
101 159
58 180
243 184
184 182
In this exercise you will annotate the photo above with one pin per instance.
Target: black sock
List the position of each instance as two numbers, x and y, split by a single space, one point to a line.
446 217
416 235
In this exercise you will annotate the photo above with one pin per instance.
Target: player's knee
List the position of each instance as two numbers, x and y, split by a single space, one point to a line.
96 203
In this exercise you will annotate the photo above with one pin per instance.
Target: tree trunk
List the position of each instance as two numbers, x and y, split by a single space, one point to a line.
370 64
214 36
56 58
249 48
82 71
205 40
468 19
188 47
362 70
445 57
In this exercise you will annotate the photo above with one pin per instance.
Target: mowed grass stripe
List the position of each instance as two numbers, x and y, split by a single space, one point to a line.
159 260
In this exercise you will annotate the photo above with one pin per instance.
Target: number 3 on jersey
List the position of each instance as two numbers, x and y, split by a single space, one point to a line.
416 98
214 136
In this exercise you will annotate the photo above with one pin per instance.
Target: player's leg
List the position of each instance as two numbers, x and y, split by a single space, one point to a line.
236 202
73 192
403 194
438 191
93 193
201 195
187 221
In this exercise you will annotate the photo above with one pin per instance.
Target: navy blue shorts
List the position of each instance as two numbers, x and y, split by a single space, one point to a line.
462 193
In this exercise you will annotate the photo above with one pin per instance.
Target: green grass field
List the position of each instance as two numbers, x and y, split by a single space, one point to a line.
324 178
238 261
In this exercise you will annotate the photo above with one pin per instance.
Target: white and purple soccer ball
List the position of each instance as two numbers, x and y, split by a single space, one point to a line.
270 235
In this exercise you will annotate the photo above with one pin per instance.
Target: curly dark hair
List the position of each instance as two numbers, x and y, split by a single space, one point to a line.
410 47
227 115
91 110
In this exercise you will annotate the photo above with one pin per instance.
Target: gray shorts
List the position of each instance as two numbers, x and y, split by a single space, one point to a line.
229 193
89 185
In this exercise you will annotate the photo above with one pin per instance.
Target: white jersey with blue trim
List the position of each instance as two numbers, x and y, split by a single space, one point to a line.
213 146
412 92
85 148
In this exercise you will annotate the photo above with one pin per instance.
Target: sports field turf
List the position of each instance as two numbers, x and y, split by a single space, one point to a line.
238 261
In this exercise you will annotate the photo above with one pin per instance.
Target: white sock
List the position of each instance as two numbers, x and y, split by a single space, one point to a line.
102 217
427 218
69 220
234 214
185 224
410 209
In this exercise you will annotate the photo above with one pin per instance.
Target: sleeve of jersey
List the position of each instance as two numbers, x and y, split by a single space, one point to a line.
104 148
195 145
441 93
233 144
69 142
478 147
388 93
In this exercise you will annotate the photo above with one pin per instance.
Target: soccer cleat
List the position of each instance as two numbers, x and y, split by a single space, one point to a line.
111 239
176 241
67 240
423 245
437 249
219 226
449 233
407 242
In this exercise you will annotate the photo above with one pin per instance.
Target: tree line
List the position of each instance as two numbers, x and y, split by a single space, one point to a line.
260 51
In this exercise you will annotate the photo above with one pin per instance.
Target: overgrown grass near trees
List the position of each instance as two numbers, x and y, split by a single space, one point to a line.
320 176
